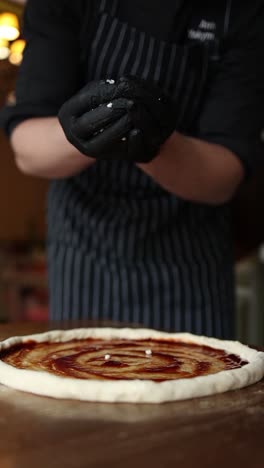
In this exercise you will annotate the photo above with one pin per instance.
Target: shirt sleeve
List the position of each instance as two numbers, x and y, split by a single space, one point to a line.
50 71
232 113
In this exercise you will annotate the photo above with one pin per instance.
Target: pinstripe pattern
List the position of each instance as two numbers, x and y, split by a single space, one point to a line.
120 247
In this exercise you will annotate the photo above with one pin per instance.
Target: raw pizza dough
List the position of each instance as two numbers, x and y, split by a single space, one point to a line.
134 390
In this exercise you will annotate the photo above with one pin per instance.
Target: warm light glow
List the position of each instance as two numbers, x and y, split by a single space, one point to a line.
16 52
4 49
18 46
9 26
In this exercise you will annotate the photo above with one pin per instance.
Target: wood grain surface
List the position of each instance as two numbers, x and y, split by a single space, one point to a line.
219 431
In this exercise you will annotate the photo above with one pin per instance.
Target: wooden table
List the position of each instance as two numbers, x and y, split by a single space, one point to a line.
219 431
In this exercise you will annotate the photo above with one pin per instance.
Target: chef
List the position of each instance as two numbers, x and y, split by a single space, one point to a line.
146 116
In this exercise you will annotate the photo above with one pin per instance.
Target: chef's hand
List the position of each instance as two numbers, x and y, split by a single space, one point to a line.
153 116
96 120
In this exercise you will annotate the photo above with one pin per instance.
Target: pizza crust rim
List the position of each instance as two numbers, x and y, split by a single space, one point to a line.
134 391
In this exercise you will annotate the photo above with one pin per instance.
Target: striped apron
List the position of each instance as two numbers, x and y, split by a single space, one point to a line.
122 248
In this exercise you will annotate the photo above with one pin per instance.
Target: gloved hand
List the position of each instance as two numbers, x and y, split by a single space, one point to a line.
153 116
95 118
126 120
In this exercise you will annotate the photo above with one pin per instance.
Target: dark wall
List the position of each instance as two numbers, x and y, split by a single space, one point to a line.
22 199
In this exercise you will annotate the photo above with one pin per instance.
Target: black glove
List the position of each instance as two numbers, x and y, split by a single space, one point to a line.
95 119
153 116
128 119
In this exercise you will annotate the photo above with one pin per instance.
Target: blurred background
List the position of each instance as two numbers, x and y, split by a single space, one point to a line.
23 284
23 275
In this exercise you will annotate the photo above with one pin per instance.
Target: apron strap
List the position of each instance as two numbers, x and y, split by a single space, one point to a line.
102 6
226 26
227 17
114 8
107 6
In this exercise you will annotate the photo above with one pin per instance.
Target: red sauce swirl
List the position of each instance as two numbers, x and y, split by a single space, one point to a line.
121 359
